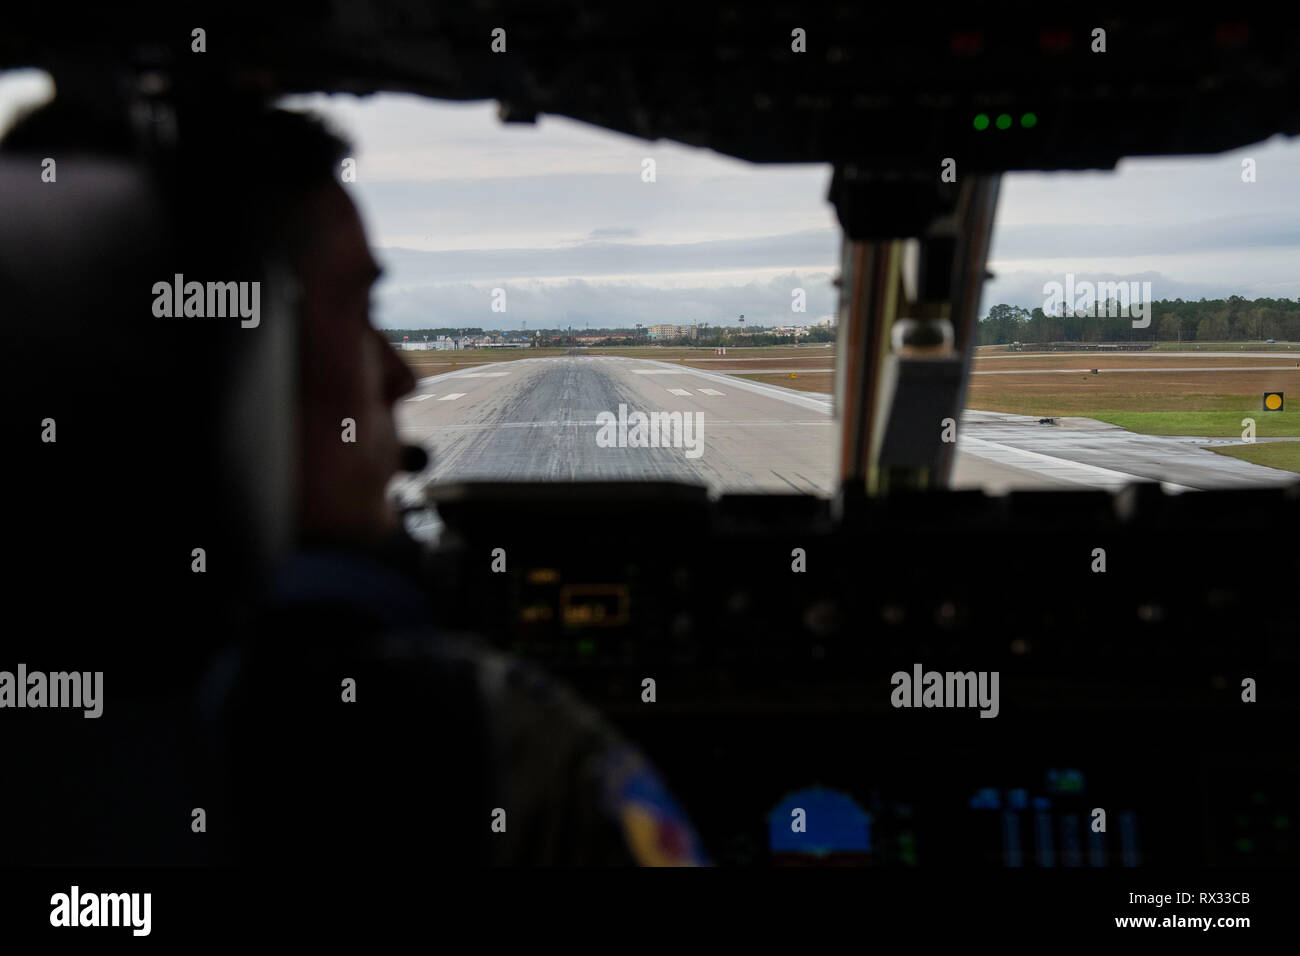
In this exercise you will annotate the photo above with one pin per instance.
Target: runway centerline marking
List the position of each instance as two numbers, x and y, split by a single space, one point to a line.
451 395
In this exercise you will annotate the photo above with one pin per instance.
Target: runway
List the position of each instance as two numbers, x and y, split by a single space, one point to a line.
537 420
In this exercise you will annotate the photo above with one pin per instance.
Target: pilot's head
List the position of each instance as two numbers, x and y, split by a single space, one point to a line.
347 369
274 175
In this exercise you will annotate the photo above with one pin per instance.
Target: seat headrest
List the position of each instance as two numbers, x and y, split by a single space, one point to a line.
169 433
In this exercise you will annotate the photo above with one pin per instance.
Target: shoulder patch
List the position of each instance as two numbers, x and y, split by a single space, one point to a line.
657 831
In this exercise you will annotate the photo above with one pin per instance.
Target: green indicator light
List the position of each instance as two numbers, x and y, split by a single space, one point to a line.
586 647
982 121
1029 121
1004 121
907 849
1281 823
1245 846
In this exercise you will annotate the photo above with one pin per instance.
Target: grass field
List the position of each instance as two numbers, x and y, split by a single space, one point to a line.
1165 347
1207 424
1206 397
1279 454
802 382
1211 402
1027 361
1226 347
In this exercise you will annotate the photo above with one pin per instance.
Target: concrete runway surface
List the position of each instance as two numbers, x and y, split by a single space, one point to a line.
536 419
995 450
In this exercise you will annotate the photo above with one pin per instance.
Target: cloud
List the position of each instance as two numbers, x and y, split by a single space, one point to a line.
609 303
558 214
411 267
1025 287
1073 240
1188 225
612 233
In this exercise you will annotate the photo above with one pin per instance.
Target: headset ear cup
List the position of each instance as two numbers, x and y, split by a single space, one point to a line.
258 422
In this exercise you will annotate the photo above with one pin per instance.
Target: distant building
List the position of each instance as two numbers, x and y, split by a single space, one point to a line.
671 331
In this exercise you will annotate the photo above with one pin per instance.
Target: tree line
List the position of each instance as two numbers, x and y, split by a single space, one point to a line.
706 336
1234 319
417 335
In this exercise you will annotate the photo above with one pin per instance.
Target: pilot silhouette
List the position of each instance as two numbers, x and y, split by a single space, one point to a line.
347 726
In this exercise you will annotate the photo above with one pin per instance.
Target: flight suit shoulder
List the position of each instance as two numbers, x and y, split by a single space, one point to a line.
588 795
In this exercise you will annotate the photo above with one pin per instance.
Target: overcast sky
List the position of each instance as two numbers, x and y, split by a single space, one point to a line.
557 214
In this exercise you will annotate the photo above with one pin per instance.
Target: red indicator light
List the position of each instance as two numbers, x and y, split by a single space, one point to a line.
1232 34
1055 41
